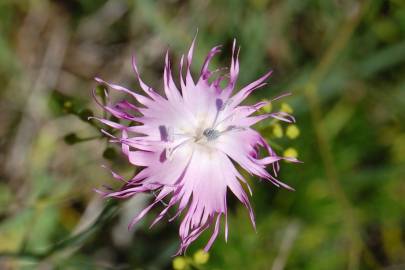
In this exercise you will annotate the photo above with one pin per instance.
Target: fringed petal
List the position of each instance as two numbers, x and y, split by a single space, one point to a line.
205 73
172 93
141 99
147 89
234 71
248 89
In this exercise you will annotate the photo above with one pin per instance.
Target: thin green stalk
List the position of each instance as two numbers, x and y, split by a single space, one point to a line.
325 149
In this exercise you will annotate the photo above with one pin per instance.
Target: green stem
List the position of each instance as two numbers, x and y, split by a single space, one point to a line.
325 149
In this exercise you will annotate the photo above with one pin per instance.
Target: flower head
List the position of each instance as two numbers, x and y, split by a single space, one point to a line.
188 143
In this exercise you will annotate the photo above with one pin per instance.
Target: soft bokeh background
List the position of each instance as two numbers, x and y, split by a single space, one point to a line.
344 62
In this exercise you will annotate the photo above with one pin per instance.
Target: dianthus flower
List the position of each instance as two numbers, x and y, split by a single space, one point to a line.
188 143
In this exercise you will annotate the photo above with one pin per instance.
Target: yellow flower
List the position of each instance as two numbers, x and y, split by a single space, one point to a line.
286 108
67 104
277 131
292 132
267 108
290 152
201 257
179 263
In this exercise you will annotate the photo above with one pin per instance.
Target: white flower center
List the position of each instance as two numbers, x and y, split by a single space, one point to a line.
203 136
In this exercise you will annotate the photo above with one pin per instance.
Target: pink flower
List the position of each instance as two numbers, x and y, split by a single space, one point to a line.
188 142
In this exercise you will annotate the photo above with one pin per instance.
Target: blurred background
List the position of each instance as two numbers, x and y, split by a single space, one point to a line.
344 62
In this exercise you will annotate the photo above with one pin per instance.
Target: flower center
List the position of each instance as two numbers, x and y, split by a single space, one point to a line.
211 134
203 135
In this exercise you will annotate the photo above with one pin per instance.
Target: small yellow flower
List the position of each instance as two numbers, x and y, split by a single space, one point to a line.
201 257
277 131
267 108
290 152
292 131
286 108
179 263
67 104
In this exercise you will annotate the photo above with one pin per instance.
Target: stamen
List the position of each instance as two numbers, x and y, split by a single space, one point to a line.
171 150
220 107
211 134
166 133
229 117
